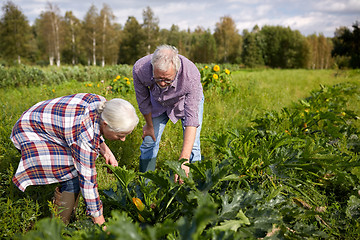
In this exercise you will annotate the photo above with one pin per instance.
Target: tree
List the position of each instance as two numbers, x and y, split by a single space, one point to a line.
347 44
228 41
203 46
91 29
180 39
251 49
320 48
48 27
284 48
109 37
15 33
151 30
55 21
132 42
72 49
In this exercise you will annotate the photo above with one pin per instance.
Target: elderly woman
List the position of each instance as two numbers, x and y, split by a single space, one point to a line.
61 138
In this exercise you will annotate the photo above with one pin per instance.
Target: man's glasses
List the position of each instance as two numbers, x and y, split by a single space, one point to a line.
167 81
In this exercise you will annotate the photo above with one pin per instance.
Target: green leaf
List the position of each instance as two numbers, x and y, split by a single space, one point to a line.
176 167
47 228
353 208
122 174
232 225
120 227
159 178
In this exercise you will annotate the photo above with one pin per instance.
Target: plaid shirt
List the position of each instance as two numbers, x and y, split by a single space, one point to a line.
59 140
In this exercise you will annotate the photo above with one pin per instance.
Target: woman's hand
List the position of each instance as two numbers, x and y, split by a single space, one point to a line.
111 160
108 155
100 220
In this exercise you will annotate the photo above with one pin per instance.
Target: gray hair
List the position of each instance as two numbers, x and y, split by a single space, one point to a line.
164 57
119 114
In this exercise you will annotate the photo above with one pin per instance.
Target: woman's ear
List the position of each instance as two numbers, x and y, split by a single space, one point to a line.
105 123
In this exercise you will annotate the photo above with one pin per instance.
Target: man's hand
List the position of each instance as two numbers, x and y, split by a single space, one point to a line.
148 131
186 169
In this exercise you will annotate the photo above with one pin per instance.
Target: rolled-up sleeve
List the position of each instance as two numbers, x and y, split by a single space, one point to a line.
192 98
142 94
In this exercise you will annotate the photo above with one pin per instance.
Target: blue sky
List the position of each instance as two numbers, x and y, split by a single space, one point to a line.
307 16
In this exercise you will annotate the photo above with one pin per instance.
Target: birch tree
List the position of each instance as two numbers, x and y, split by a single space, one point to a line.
109 36
55 23
151 29
91 33
72 38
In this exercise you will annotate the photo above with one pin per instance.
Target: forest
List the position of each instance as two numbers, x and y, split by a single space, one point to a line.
97 40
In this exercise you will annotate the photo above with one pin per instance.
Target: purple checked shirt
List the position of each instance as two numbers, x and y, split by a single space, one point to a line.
180 100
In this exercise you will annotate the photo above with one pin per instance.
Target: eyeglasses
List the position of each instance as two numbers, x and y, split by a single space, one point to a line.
167 81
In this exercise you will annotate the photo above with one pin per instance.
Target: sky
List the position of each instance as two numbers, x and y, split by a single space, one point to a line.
307 16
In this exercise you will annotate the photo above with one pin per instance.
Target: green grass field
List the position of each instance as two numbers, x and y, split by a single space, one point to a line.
256 92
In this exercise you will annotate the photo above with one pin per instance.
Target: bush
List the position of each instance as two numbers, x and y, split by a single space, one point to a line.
216 78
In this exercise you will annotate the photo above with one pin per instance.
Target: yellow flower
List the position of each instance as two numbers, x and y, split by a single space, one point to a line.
115 80
307 110
227 71
117 77
128 82
215 76
53 90
98 85
141 218
90 84
127 79
216 68
138 203
206 67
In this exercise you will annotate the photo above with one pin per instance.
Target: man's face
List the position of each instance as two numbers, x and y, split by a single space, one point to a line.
164 78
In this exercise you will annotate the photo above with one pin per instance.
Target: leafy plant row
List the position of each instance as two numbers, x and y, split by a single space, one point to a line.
24 75
293 175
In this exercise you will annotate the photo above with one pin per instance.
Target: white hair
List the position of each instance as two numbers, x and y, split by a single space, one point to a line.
164 57
119 114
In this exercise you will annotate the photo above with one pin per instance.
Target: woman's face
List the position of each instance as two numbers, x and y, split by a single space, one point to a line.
111 135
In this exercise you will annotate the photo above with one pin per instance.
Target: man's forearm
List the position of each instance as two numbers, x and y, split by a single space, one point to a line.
189 139
148 119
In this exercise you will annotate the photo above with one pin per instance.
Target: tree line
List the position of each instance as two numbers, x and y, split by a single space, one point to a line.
56 39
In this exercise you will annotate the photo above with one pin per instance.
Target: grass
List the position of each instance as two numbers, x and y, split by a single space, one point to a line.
256 92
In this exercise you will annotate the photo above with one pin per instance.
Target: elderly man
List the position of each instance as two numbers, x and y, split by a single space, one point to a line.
168 86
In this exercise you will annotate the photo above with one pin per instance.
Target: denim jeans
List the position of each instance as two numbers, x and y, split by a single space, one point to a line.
150 148
72 185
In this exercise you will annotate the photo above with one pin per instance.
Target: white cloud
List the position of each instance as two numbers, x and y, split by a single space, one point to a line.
308 16
263 10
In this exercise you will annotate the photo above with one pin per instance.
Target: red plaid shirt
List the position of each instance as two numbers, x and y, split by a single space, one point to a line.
59 140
